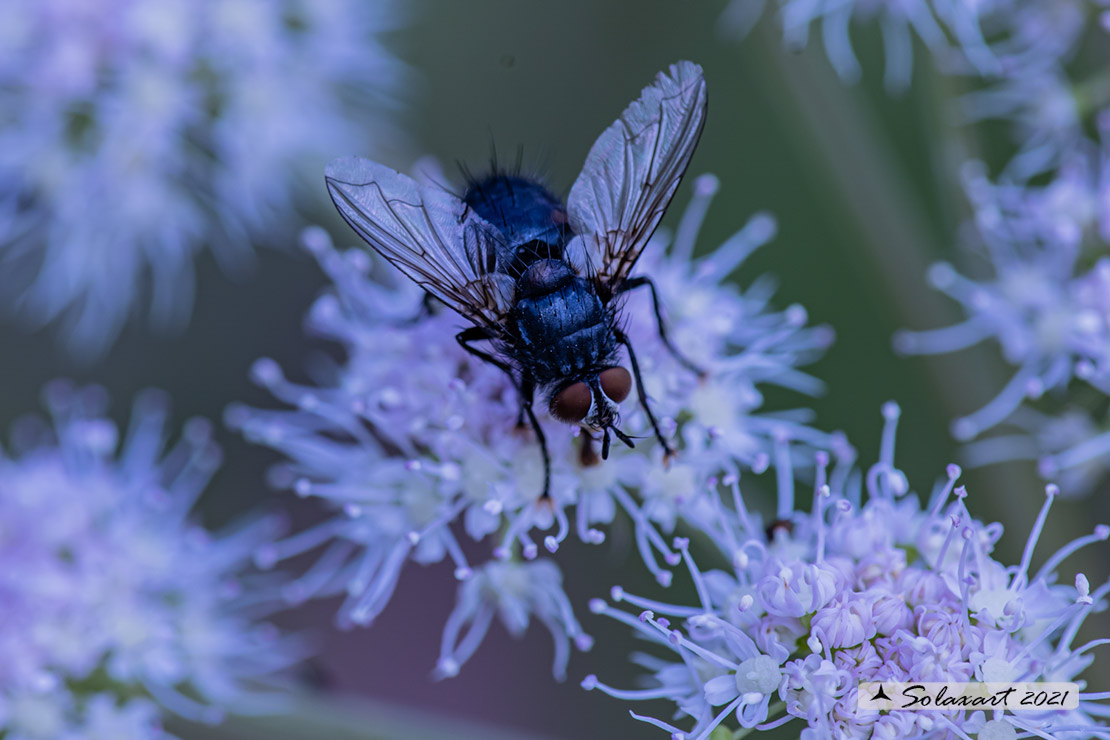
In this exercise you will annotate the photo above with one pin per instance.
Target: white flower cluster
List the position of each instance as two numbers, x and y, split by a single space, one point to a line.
887 589
117 605
133 133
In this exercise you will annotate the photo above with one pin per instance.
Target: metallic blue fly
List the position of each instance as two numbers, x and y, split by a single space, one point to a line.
538 280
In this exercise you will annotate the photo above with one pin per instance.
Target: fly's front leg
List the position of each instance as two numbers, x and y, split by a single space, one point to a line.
636 282
668 451
527 391
478 334
526 387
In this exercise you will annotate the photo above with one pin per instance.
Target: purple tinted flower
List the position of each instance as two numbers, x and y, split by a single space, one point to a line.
951 30
115 600
1064 214
1069 447
921 600
410 433
49 714
847 621
1041 106
514 592
133 133
722 666
798 588
1036 87
1047 314
899 22
1047 308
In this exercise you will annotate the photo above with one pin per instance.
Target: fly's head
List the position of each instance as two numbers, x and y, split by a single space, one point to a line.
593 402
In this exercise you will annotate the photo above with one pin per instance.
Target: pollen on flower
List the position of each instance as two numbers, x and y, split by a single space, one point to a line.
515 591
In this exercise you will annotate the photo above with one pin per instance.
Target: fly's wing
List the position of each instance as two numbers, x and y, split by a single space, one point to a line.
633 170
429 235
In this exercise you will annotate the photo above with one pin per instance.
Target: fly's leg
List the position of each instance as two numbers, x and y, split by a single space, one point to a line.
637 282
668 451
527 390
526 387
478 334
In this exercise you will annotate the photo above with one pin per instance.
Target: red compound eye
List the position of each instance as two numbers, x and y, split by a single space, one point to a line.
572 403
616 383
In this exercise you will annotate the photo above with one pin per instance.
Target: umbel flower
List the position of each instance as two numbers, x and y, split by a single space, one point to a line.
890 588
415 443
117 605
134 132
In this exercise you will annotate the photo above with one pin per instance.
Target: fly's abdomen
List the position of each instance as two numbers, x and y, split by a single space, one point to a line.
563 332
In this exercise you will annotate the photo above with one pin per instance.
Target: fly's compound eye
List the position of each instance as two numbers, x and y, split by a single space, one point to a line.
615 382
571 404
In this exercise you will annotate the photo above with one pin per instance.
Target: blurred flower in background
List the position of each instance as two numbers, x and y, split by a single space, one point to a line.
1040 215
1004 39
950 30
1046 302
1048 321
412 435
135 133
117 605
1050 316
890 588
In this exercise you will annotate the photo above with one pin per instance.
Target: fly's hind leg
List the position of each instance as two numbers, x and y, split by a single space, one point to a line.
668 451
637 282
526 388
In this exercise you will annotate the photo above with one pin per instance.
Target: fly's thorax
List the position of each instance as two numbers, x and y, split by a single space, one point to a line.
522 209
543 276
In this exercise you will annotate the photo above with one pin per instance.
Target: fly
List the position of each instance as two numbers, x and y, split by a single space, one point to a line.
540 281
